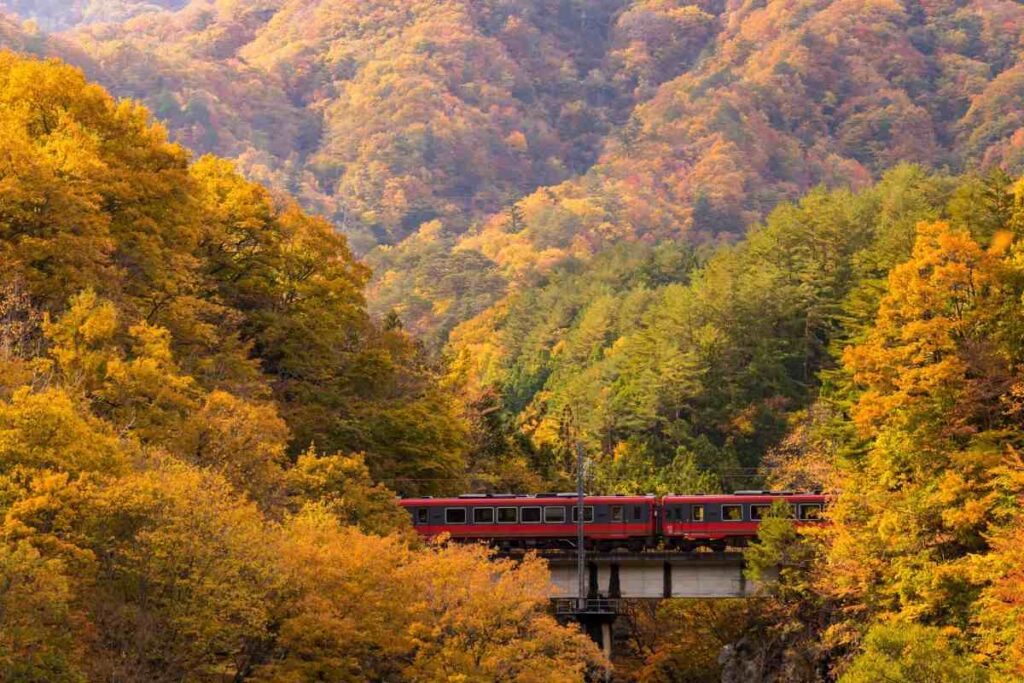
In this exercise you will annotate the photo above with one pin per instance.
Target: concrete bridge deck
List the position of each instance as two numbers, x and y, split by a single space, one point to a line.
652 575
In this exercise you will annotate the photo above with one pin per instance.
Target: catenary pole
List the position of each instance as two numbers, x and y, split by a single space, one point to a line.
581 567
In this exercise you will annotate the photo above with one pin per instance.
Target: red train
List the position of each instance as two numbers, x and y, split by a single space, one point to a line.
548 520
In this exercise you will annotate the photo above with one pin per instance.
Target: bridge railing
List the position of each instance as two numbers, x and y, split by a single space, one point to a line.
574 606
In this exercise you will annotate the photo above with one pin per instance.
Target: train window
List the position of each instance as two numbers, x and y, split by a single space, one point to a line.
638 512
554 515
455 515
529 515
698 513
792 511
759 512
588 514
421 516
617 513
810 511
508 515
483 515
732 513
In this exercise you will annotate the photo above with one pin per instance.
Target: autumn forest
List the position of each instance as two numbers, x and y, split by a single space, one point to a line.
266 265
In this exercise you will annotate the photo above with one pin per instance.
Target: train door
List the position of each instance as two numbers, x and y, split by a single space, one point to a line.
692 520
710 518
639 523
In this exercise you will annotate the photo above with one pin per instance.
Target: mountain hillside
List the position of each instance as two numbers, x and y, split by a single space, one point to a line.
753 99
55 15
254 296
599 121
386 115
788 96
795 93
493 159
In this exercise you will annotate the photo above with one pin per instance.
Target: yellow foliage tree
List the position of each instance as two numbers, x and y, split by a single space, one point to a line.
365 607
478 619
36 643
936 373
187 576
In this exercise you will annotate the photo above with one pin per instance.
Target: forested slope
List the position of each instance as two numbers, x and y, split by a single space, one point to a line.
192 402
54 15
918 432
382 115
641 120
673 356
794 94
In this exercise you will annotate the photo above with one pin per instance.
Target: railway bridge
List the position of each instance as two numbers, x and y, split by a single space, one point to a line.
651 575
616 576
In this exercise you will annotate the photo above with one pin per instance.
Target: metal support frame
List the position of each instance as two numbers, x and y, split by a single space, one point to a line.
581 551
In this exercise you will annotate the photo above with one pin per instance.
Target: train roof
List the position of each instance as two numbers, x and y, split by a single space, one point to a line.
755 496
522 499
471 499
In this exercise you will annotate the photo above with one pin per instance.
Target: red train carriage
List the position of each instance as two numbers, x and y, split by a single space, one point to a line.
720 520
540 521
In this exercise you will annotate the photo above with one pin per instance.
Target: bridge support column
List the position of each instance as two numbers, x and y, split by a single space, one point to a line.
614 584
596 619
598 625
667 580
592 585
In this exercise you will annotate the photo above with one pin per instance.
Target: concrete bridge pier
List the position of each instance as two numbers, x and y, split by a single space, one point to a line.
595 615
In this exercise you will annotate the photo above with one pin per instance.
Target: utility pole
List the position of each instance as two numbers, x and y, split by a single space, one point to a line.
581 560
599 613
570 437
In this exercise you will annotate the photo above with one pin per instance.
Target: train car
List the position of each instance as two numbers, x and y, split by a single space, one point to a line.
720 520
546 520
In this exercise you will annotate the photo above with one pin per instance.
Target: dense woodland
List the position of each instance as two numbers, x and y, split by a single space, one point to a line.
192 402
309 254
